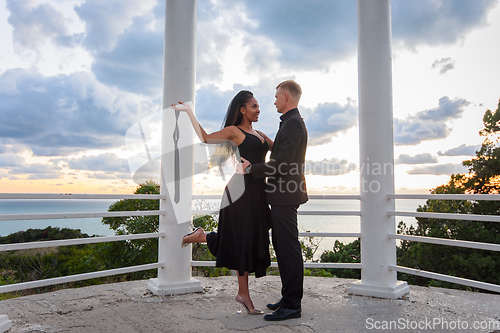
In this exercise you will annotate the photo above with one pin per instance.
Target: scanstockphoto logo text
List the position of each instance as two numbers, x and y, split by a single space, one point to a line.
438 324
372 173
176 159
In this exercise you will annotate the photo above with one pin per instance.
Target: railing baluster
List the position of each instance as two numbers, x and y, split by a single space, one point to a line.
443 241
449 242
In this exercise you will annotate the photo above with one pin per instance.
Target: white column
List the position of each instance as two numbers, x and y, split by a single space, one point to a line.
376 141
5 323
178 85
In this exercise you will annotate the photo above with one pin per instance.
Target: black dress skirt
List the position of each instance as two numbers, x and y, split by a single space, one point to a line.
241 242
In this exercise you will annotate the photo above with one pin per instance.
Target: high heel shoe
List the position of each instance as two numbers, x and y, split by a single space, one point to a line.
184 244
250 312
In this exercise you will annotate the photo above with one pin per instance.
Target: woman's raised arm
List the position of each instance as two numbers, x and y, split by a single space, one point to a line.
227 133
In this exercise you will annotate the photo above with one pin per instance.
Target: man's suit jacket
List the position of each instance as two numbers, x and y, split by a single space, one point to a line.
286 184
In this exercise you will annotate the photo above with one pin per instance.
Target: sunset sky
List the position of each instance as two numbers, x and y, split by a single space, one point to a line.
75 75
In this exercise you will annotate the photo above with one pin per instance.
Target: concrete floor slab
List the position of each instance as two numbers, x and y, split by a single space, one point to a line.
130 307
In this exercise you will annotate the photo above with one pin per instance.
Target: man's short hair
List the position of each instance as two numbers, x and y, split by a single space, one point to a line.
293 88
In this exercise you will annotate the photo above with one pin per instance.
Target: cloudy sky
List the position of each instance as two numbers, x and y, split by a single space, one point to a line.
75 75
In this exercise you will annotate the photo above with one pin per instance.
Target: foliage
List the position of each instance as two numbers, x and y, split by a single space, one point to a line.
344 253
309 246
491 122
318 272
44 263
133 252
200 251
483 178
484 169
47 234
456 261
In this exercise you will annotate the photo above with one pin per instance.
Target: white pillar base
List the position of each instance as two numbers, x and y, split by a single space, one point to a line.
359 288
5 323
192 286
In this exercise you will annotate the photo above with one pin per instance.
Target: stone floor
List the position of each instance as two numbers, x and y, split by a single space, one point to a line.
130 307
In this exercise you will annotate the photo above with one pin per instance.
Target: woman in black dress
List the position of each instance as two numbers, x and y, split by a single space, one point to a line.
241 242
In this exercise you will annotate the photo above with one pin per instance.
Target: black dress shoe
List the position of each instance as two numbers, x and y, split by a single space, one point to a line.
274 306
282 314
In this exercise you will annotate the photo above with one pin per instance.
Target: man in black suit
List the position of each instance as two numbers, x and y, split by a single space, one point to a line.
285 192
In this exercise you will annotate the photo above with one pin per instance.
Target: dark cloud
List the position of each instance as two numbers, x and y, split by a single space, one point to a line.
429 22
444 65
11 160
64 114
35 23
127 40
462 150
211 41
328 119
107 20
65 144
429 124
440 169
309 34
10 148
37 171
126 37
135 64
328 29
329 167
128 48
323 121
417 159
212 104
132 59
107 162
100 175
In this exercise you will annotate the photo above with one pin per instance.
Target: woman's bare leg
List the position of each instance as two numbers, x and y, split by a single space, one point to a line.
199 236
244 293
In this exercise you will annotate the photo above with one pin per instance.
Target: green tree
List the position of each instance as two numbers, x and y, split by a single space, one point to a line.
144 251
37 264
43 263
484 169
483 178
344 253
132 252
37 235
201 252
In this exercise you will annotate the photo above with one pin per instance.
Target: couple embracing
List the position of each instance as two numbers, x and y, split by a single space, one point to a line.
241 242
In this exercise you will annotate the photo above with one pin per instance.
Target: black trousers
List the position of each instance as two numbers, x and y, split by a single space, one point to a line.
289 254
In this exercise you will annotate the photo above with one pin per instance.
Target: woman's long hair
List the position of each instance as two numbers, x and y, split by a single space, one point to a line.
227 150
233 115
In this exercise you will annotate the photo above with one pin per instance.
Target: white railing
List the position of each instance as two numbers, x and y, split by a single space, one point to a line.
306 264
94 240
301 234
444 241
78 241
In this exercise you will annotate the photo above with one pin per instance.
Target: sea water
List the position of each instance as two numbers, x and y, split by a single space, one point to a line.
94 226
90 226
346 224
